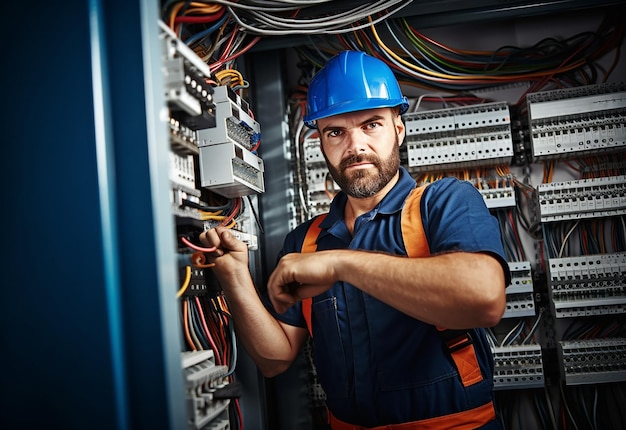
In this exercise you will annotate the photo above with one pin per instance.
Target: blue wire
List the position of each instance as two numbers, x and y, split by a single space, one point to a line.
201 35
231 328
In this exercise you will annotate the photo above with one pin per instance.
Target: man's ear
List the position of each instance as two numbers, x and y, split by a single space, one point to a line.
400 128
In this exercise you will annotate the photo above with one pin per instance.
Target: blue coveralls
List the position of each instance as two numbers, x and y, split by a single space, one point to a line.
377 365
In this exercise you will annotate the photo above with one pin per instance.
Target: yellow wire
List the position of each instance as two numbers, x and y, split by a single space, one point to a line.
211 213
231 224
213 217
457 77
203 8
186 283
223 75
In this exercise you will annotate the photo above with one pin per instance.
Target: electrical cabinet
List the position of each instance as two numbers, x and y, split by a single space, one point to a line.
113 129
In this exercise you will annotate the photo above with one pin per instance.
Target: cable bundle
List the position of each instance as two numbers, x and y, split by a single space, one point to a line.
423 62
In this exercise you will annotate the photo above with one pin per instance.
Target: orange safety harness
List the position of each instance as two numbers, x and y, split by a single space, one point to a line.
459 342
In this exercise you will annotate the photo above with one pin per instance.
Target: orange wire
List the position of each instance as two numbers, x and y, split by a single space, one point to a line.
186 325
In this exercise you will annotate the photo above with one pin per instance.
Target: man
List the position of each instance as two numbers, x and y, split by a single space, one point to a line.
376 315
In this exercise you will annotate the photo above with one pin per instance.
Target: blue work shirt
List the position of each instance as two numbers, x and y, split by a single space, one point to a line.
376 364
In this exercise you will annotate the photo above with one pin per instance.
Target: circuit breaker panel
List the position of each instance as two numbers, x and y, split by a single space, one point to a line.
215 172
464 137
536 130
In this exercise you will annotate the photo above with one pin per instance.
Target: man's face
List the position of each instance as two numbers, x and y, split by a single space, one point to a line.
362 149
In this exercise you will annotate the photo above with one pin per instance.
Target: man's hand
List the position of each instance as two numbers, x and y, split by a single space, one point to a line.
300 276
230 256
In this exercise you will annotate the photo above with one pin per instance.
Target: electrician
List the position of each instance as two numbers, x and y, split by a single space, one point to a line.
382 355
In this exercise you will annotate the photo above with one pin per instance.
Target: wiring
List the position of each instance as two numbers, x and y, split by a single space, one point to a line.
422 61
186 282
197 247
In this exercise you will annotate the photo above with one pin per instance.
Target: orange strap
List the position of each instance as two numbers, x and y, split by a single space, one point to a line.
459 343
465 420
412 227
310 245
461 347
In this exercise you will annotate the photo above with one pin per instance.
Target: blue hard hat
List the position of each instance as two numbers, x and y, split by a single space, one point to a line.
352 81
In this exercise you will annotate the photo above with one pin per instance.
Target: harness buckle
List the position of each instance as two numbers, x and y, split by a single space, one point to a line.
460 342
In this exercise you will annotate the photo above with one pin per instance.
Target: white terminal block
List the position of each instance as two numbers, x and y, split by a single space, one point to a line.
249 239
593 361
585 198
570 122
478 135
497 198
184 74
521 278
588 285
517 367
202 377
230 170
182 170
520 300
313 153
233 120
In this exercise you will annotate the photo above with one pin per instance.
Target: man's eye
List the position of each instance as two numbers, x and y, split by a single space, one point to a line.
333 133
373 125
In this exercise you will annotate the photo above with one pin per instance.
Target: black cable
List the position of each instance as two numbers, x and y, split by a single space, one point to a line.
256 216
225 207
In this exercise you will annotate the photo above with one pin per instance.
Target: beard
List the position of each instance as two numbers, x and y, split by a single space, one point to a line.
363 183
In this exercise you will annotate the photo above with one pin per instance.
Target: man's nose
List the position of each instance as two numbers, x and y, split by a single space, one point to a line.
357 141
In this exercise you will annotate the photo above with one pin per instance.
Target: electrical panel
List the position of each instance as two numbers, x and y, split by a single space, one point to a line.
518 367
189 96
477 135
573 122
213 166
585 198
520 294
204 379
228 164
556 317
500 197
320 186
588 285
593 361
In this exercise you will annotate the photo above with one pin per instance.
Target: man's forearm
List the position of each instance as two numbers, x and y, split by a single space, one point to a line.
453 290
263 337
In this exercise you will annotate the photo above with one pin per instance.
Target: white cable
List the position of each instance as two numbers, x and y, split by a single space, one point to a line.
571 230
312 26
533 328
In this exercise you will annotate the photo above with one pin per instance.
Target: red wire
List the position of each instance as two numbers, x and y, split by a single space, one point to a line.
218 358
233 213
239 414
220 63
196 247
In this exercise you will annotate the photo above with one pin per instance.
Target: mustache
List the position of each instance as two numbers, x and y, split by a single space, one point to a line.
359 158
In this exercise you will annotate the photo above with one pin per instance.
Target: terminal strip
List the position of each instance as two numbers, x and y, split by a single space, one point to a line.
227 164
570 122
459 137
593 361
231 171
233 121
588 285
518 367
519 294
202 378
318 179
183 139
584 198
498 198
185 75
